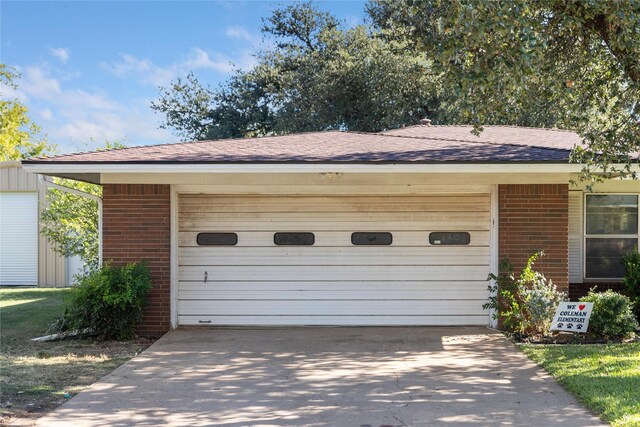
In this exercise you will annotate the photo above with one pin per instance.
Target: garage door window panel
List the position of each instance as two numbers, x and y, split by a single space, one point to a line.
449 238
294 239
371 239
217 239
611 230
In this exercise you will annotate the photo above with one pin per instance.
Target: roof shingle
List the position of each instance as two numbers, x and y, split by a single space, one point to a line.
419 144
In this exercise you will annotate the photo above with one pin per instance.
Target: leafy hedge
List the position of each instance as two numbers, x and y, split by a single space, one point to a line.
611 316
108 301
631 263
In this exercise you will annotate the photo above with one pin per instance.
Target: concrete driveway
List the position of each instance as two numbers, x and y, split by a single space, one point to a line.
326 377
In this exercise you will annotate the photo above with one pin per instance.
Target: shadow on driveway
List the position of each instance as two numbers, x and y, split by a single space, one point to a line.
409 376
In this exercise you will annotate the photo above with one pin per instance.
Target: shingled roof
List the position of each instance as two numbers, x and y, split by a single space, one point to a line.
415 144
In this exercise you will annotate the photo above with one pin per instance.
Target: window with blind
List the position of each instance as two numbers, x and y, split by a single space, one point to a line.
611 230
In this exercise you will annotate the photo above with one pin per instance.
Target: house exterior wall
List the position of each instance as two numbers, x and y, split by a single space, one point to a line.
578 285
52 270
535 217
137 227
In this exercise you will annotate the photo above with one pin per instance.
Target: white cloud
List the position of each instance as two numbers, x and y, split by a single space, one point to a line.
199 58
246 60
130 128
145 69
150 73
87 118
8 92
37 83
61 53
241 33
46 114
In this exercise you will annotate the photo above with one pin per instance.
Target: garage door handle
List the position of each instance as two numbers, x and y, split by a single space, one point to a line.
204 321
205 276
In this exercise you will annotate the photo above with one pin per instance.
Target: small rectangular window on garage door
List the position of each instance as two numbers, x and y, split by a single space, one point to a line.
294 239
449 238
371 238
217 239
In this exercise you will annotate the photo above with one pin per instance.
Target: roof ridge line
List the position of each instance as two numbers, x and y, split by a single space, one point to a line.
469 140
495 126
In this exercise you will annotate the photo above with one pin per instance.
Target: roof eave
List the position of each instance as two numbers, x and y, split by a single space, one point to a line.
54 168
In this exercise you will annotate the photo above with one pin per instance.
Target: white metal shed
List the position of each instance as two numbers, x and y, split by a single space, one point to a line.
26 257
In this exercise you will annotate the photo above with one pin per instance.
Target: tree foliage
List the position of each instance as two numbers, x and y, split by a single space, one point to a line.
19 137
70 221
317 76
570 64
574 62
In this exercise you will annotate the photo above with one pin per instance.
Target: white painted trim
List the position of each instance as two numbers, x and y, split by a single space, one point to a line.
173 269
52 168
494 244
324 190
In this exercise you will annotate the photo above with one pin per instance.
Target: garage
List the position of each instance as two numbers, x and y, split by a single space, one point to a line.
333 260
19 242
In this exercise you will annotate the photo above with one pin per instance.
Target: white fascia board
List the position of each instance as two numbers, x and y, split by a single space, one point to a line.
78 168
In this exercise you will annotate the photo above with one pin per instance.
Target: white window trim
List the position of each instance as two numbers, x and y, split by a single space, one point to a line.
585 236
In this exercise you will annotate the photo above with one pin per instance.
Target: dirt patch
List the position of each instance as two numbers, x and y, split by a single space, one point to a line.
37 377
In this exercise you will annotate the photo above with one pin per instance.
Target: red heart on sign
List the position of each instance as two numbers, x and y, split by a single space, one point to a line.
581 307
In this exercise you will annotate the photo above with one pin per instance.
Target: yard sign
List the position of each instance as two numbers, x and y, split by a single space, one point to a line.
572 317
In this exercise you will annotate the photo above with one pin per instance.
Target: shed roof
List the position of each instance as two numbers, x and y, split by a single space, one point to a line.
414 144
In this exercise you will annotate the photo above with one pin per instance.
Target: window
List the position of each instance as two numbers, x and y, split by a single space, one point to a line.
217 239
611 230
294 239
371 238
449 238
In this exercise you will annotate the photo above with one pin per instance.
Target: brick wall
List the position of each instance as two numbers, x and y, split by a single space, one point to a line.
535 217
136 226
579 290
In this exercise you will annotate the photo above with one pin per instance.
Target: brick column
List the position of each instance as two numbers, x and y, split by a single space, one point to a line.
536 217
137 227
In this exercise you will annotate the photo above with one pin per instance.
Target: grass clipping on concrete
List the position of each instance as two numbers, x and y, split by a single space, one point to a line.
37 375
605 378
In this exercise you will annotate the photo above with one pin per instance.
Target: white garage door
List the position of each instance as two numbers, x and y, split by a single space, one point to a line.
296 260
18 239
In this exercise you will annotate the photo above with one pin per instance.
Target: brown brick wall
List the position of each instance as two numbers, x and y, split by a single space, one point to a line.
535 217
136 227
579 290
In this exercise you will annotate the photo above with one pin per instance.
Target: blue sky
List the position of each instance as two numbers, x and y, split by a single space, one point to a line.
89 69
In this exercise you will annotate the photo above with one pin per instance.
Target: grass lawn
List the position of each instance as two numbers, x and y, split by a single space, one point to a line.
605 378
35 376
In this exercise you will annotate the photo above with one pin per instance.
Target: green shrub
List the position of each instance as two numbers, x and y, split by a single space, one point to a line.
541 298
505 299
631 263
527 304
611 316
108 301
